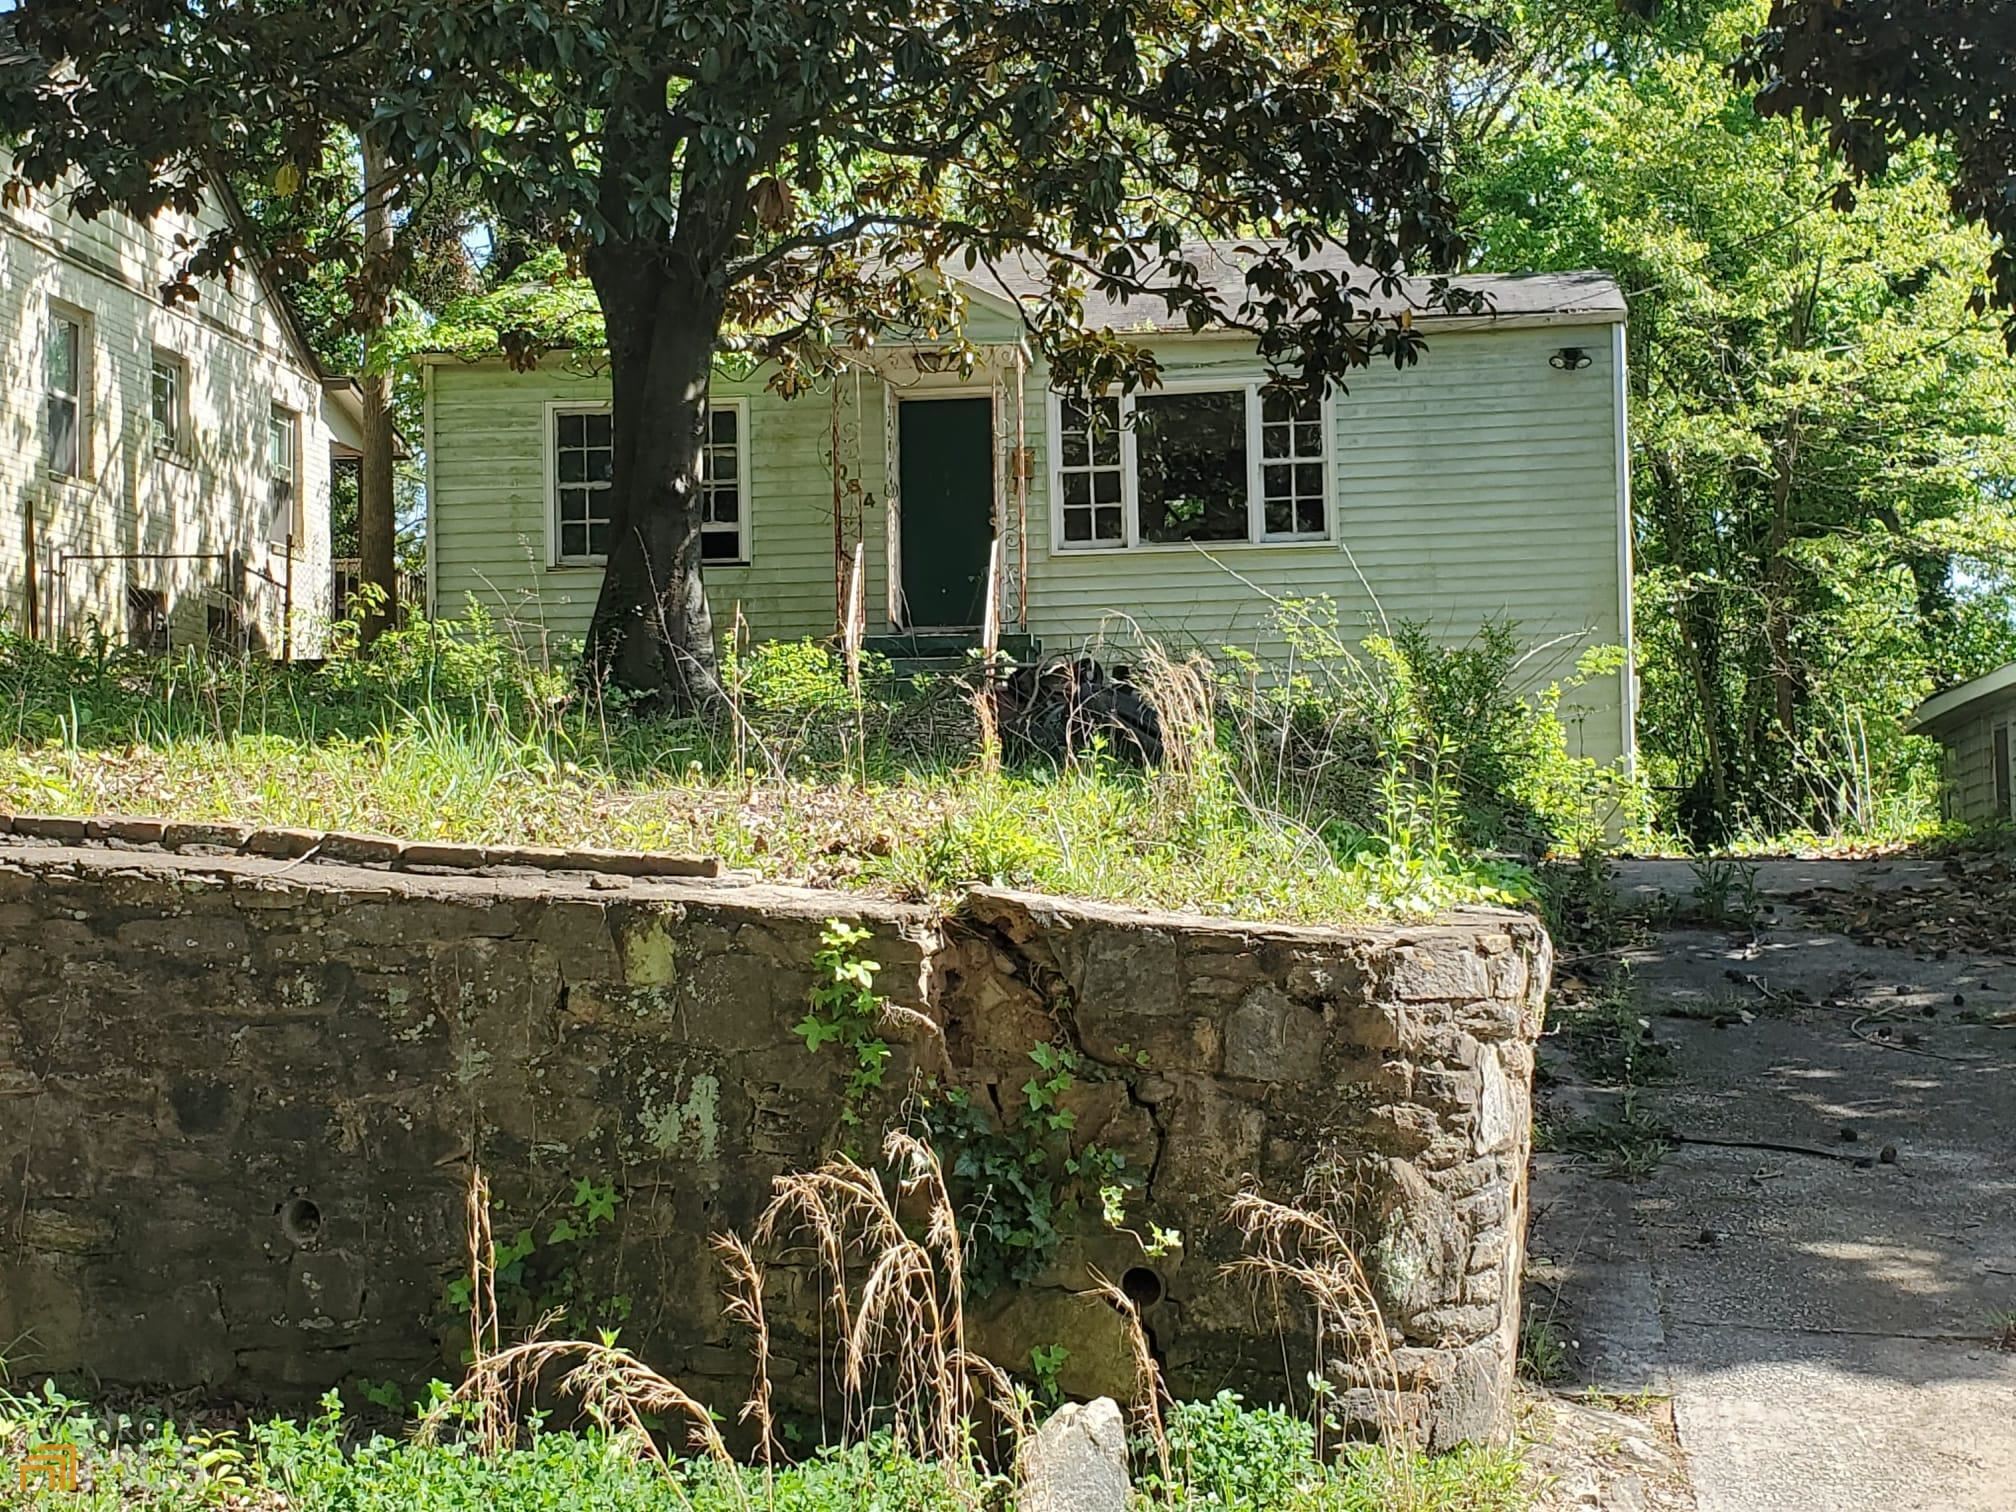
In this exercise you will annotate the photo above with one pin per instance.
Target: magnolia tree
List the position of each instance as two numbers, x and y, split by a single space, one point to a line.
793 179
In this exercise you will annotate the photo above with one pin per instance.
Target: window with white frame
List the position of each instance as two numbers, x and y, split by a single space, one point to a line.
1220 464
168 398
584 451
724 513
66 354
1090 472
584 462
283 470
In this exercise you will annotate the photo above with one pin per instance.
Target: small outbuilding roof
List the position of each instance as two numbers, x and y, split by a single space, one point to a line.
1582 298
1942 710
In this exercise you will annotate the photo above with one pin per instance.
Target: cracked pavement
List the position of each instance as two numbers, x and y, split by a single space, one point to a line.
1826 1323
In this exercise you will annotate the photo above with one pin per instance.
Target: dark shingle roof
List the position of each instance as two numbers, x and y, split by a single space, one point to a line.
1221 267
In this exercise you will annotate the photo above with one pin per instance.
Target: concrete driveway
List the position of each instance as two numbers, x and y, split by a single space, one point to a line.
1823 1274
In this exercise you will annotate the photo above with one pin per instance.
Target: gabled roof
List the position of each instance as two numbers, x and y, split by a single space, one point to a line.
1943 710
1583 298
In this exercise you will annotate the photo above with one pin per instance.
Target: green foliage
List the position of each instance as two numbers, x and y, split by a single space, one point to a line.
548 1264
1016 1175
1227 1457
847 1010
1821 426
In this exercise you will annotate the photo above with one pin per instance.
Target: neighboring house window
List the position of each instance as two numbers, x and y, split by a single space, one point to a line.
167 400
724 519
584 457
584 450
2005 773
64 360
1224 464
283 467
1090 473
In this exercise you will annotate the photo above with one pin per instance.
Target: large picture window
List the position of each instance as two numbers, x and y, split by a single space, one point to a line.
583 470
1223 464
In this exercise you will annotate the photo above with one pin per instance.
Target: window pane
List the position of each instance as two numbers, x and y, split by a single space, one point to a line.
1077 490
1077 524
1309 480
1308 440
571 430
573 466
724 506
62 456
720 546
598 538
1276 440
1108 523
722 464
1280 516
721 426
1191 455
573 540
1106 486
1309 516
1073 450
62 355
597 429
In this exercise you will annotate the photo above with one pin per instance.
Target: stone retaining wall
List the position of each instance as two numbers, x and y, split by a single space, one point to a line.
240 1096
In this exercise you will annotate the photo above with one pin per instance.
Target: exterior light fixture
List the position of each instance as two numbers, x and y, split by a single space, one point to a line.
1568 359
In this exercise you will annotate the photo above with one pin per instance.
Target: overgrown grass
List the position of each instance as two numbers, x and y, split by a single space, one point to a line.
1357 785
1226 1457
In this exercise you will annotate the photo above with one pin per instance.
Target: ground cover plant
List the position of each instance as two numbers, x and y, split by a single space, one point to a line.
1365 782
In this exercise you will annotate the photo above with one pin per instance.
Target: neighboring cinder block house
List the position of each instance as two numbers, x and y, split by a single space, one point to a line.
164 471
1976 724
1487 483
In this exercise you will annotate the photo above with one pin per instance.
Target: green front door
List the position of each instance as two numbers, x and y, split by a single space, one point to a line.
946 479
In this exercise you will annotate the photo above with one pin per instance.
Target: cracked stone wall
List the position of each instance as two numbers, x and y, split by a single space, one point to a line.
240 1097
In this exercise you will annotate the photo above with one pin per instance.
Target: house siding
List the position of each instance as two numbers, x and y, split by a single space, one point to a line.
1482 484
208 501
1970 759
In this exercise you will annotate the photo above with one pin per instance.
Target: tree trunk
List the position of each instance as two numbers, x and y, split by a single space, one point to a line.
377 573
652 634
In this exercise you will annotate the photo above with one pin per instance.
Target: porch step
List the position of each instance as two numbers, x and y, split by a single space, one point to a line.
943 653
939 643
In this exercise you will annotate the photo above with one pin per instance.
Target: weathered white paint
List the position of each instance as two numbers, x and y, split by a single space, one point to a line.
1482 484
1964 720
209 496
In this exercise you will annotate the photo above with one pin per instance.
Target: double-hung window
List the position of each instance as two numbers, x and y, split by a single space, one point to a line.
583 470
66 355
283 472
724 483
584 460
1213 464
167 401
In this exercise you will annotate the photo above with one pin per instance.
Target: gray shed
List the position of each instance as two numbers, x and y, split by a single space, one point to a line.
1976 723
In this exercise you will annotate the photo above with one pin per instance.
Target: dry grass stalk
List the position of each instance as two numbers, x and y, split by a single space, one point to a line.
483 1329
1301 1251
1182 696
1149 1392
745 1307
908 1313
614 1387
